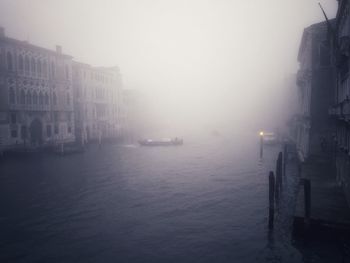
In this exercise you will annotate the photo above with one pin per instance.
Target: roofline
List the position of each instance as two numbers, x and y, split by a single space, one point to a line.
27 44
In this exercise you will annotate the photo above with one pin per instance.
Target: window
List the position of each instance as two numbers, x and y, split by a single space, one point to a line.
44 69
12 95
54 99
20 62
41 98
67 72
14 133
53 69
35 98
23 97
55 116
68 99
13 118
23 132
39 67
69 129
56 129
33 66
46 99
48 131
9 61
26 64
29 98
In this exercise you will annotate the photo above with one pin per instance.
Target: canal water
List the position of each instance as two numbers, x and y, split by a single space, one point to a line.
205 201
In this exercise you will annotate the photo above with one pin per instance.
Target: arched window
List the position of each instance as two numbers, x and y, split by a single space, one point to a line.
23 97
33 66
41 98
29 98
26 64
67 72
68 99
46 99
9 61
45 68
53 69
39 67
54 99
35 98
20 62
12 95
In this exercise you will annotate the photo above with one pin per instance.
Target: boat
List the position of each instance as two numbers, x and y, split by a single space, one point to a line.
270 138
161 142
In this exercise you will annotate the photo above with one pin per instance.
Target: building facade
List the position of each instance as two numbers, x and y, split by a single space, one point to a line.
36 99
97 102
340 110
315 80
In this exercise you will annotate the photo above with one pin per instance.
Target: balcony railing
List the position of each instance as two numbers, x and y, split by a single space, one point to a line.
22 107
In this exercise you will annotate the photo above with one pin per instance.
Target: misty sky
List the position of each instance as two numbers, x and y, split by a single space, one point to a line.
204 58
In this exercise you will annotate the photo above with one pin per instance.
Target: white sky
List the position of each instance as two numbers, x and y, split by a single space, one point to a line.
215 58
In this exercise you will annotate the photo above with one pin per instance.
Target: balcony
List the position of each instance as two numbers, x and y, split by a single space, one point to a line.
21 107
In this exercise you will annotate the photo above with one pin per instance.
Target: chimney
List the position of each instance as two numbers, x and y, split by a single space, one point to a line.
2 31
58 49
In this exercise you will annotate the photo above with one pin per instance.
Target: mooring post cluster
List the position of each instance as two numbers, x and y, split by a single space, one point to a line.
275 185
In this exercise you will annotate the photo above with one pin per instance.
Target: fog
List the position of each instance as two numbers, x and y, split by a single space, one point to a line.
200 64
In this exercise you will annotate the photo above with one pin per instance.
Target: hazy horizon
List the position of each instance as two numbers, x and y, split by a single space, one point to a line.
203 63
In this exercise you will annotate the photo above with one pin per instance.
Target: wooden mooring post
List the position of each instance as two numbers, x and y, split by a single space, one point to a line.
279 171
285 158
306 183
307 201
271 199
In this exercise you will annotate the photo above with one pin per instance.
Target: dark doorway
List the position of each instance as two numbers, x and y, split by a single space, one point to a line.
36 131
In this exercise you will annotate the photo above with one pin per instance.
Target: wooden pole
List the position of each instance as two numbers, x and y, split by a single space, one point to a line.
271 199
280 166
278 177
307 200
285 158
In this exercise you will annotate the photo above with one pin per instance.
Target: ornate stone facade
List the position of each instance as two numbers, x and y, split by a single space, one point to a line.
97 102
36 99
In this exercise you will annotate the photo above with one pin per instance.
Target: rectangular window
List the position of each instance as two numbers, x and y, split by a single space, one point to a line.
23 132
56 116
56 129
14 133
69 129
13 118
48 130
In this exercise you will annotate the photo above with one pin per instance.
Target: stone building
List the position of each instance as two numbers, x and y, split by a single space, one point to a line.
36 102
97 102
341 52
315 80
340 109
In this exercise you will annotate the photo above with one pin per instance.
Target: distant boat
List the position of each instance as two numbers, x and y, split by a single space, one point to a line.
270 138
161 142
